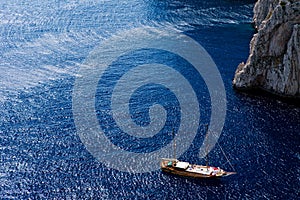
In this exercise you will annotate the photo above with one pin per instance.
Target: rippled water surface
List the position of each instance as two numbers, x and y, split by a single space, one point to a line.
43 46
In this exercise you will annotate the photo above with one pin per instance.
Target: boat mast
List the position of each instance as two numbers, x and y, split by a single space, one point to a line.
206 148
174 143
207 161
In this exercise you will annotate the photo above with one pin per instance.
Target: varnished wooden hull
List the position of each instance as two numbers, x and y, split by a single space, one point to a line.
193 171
186 174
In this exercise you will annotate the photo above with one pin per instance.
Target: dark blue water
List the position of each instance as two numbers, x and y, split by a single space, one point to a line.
43 45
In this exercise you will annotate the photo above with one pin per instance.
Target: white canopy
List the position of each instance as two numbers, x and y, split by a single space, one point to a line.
182 165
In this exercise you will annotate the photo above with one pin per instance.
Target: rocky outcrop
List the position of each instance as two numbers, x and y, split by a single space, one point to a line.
274 60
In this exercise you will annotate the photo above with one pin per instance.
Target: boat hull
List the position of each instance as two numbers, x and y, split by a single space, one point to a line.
192 171
186 174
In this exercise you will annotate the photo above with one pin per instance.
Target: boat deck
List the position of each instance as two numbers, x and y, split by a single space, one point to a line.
190 170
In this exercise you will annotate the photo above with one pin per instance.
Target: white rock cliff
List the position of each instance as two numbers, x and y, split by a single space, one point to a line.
274 61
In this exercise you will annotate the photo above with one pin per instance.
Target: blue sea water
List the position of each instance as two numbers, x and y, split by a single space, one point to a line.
43 46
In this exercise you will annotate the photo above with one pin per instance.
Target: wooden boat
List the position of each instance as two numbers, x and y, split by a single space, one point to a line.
181 168
176 167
